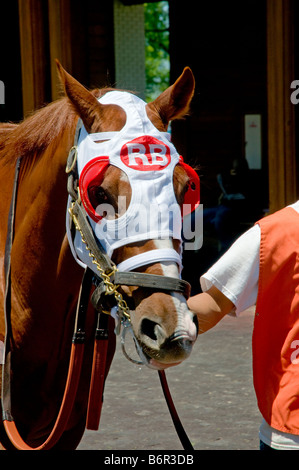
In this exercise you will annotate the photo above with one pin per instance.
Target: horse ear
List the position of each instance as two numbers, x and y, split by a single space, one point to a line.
174 102
84 102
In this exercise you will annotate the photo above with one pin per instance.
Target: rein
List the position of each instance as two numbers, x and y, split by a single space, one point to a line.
107 283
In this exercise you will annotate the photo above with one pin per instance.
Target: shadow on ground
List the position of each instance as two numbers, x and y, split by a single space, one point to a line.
212 391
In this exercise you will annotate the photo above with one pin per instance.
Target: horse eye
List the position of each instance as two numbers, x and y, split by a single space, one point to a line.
186 188
101 195
97 195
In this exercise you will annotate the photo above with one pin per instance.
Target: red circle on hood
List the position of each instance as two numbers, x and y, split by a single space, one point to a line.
145 153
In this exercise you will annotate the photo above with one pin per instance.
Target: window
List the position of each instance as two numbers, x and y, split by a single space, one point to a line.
157 65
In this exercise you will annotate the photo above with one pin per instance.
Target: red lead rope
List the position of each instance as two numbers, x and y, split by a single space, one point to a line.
175 417
65 409
95 401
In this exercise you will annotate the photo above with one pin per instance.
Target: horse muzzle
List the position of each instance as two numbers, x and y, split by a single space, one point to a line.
158 348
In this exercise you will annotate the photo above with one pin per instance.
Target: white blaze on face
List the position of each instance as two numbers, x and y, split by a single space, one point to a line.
185 325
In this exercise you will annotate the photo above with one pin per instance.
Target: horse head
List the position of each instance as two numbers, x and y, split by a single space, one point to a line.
132 184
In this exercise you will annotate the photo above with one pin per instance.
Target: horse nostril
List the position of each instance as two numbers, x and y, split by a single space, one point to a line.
152 330
148 328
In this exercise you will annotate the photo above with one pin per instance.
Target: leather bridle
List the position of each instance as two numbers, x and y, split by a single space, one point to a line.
106 287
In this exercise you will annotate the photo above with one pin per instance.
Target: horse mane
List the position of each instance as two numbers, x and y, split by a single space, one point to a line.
36 133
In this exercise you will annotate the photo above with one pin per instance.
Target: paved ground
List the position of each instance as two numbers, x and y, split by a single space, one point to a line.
212 391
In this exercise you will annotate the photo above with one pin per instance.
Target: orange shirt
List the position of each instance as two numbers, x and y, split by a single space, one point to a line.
276 326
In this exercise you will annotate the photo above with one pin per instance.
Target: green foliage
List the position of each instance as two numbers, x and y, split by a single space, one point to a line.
156 48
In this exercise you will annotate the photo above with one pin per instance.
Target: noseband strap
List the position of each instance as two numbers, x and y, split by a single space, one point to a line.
153 281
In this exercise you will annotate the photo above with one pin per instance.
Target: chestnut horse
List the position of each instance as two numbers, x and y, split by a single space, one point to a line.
45 279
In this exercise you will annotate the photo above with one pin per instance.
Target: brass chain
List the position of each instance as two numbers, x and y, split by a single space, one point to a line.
111 288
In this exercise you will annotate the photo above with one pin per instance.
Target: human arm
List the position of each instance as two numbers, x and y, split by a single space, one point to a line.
231 284
209 307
